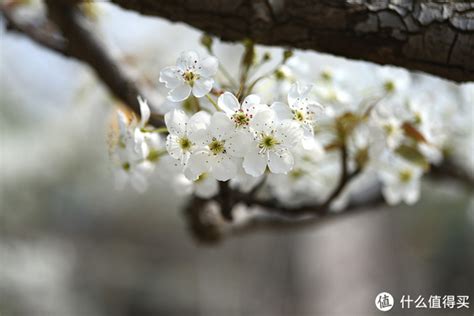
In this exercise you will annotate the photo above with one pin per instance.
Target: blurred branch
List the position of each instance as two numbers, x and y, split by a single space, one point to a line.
78 40
207 226
432 36
449 171
38 33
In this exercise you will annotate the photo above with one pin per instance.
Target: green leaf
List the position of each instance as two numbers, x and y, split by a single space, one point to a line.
413 155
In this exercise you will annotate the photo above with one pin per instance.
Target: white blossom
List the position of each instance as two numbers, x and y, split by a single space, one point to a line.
302 110
191 74
271 145
219 147
401 181
182 131
240 114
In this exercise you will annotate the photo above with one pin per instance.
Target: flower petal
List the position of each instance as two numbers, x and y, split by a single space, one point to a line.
228 103
197 123
298 92
180 93
250 101
176 121
221 126
282 111
202 87
172 146
188 60
207 187
198 163
281 161
171 77
224 168
208 66
254 163
263 121
144 111
237 143
289 133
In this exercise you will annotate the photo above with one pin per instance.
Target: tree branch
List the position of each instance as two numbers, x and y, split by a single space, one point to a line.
437 38
77 40
39 34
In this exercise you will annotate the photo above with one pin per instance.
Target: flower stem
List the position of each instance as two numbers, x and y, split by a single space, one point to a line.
213 102
161 130
227 76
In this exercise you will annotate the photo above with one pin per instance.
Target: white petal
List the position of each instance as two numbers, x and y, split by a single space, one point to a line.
202 87
144 111
298 92
308 142
139 182
221 126
120 178
254 163
283 111
391 194
208 66
238 143
123 122
412 193
228 103
198 164
289 133
198 123
180 93
224 168
280 162
171 77
250 101
206 188
188 60
263 122
176 121
200 136
172 146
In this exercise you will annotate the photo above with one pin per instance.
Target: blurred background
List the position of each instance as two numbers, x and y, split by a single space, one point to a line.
70 244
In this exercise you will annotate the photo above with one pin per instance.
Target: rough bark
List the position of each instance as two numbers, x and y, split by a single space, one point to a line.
434 37
77 40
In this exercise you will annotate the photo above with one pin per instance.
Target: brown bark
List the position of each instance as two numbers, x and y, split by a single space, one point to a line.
433 37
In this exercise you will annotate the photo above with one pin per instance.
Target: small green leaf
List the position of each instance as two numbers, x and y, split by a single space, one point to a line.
413 155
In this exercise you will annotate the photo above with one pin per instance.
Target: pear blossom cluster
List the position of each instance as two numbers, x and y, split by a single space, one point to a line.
287 129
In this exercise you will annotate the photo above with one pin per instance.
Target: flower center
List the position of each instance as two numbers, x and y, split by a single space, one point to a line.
184 143
405 175
240 118
190 77
418 119
389 86
216 147
126 166
155 155
201 177
299 116
296 174
389 129
326 76
267 142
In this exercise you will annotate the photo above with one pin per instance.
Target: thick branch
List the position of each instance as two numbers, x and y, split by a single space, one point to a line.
78 41
434 37
36 33
83 45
